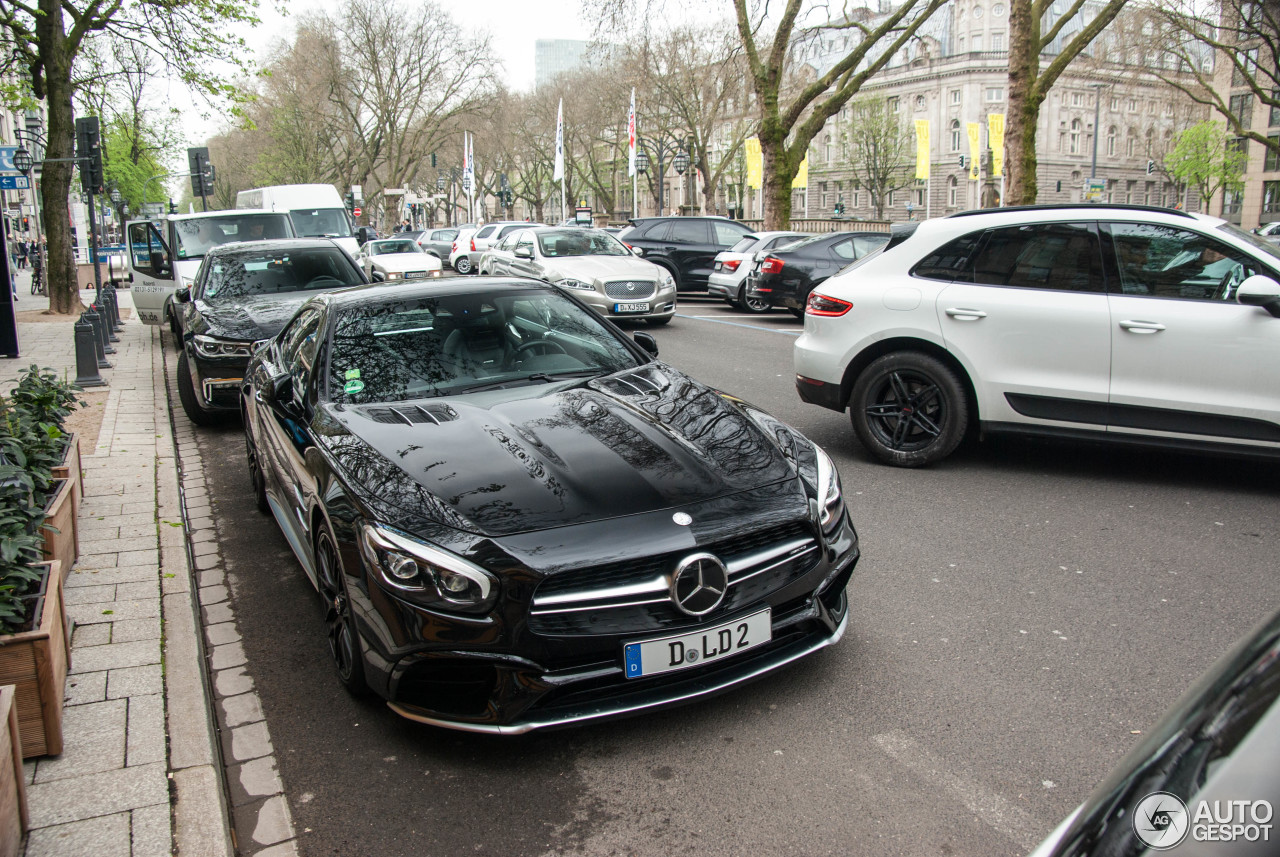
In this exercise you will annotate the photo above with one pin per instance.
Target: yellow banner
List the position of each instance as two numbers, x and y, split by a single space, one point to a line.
922 148
802 177
755 163
995 138
975 138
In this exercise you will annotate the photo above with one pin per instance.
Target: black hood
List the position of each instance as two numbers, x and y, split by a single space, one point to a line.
541 456
252 317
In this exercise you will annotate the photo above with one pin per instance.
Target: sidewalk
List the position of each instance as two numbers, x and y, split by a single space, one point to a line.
140 774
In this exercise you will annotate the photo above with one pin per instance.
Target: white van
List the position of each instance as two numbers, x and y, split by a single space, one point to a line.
165 256
317 210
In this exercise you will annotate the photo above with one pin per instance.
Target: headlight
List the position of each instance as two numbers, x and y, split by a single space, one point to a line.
208 346
426 574
435 273
571 283
394 275
668 281
830 494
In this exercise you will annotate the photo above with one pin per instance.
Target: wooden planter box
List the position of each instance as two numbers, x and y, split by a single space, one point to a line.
35 662
70 468
61 515
13 791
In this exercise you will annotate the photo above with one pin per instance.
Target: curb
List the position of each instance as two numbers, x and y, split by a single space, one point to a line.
201 817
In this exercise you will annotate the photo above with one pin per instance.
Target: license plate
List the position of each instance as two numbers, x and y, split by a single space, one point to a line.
719 266
414 275
668 654
624 308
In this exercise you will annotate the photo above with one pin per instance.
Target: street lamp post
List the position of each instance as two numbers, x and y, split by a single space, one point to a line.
1097 130
663 147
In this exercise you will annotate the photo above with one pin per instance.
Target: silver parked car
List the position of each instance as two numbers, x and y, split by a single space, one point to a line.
728 278
397 259
438 242
595 266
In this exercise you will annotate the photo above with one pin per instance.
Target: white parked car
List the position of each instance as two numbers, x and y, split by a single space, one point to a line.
728 276
465 257
1120 323
397 259
460 253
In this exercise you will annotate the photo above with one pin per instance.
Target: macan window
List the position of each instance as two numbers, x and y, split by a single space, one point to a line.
1167 262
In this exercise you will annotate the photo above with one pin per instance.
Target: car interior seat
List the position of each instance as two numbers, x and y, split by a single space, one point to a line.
479 342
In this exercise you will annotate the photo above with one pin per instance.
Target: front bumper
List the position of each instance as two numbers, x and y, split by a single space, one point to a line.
217 381
661 305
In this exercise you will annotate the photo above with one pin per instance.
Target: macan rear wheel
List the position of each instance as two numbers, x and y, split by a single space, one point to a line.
909 409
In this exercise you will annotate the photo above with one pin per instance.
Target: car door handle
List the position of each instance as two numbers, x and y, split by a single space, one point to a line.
1142 326
962 314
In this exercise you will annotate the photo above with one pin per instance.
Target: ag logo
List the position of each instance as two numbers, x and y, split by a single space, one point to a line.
1160 820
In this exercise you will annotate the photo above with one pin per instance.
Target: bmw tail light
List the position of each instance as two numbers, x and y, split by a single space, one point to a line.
771 265
732 264
820 304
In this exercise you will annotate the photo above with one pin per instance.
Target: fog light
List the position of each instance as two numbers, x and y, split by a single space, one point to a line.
402 567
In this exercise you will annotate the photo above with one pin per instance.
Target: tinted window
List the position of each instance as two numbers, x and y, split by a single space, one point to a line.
864 244
689 232
950 261
727 234
844 249
579 242
444 235
1167 262
507 230
1059 256
198 236
234 275
486 232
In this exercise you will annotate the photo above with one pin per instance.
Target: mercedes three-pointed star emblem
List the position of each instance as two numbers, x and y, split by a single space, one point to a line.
699 584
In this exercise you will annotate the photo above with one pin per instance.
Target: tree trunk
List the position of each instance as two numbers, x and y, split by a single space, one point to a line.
1020 160
777 183
55 182
1024 105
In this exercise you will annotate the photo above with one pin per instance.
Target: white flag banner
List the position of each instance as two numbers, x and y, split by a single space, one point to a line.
558 175
631 135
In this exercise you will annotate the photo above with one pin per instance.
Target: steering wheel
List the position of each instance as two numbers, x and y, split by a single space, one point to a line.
551 346
1230 280
322 280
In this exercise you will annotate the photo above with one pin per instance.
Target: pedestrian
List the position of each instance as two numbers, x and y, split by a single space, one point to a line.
22 254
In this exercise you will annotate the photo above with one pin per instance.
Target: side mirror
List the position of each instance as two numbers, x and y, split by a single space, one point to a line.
182 295
159 263
278 393
1260 291
378 277
647 342
523 252
637 251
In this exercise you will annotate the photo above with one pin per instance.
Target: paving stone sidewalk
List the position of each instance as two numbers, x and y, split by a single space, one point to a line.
140 773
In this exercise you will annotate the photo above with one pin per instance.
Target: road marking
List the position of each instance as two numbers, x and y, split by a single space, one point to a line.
996 811
718 320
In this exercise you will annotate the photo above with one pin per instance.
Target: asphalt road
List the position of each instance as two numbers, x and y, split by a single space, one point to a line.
1019 612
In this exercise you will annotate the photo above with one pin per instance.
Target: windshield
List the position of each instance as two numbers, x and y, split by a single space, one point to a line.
197 236
235 275
1272 250
448 344
394 246
321 222
579 242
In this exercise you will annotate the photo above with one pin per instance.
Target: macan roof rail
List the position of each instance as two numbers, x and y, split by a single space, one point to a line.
1089 206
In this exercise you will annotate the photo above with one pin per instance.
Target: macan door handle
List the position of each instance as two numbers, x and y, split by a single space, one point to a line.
1142 326
963 314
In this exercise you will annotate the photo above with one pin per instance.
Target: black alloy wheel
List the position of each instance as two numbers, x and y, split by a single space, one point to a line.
908 409
463 265
754 305
187 395
344 639
256 476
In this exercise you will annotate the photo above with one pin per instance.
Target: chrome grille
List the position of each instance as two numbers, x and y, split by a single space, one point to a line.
633 596
630 290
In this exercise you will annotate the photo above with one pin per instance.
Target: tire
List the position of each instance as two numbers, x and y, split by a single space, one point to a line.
928 428
463 265
187 395
755 306
344 638
798 313
256 476
658 322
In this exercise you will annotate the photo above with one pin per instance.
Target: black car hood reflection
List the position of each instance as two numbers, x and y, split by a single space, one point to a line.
252 317
529 458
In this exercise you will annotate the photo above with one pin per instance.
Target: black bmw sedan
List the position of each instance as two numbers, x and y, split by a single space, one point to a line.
519 518
242 295
786 277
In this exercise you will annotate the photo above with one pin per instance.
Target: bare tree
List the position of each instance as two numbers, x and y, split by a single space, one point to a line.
878 149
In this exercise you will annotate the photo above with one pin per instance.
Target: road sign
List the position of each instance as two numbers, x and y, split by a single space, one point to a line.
356 211
6 161
14 183
1094 189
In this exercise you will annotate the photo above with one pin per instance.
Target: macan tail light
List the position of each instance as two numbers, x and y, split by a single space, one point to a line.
820 304
771 265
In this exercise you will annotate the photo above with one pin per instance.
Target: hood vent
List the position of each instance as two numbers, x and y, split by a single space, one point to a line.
643 382
410 414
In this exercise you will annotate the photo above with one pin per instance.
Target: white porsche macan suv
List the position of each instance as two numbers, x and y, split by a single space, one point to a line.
1113 322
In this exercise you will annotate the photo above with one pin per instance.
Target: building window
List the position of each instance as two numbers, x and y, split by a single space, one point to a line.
1271 161
1242 108
1075 136
995 93
1130 145
1275 109
953 190
1111 142
955 135
1248 66
955 96
1133 105
997 41
1231 200
1077 99
893 104
960 45
892 194
977 41
826 148
1271 197
919 102
1129 190
857 199
1115 104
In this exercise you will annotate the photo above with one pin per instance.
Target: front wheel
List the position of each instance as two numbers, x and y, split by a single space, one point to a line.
344 638
909 409
187 395
463 265
256 476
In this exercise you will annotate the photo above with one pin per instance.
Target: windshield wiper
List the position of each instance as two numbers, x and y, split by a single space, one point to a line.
547 377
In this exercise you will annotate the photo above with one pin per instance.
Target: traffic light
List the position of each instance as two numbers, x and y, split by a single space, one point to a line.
26 223
963 161
839 209
433 160
201 171
89 154
350 200
1151 167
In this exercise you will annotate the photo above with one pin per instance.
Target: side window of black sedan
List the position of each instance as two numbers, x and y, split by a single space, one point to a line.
298 350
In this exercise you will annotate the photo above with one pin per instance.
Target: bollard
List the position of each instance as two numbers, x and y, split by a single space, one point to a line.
86 355
99 338
116 321
108 315
103 327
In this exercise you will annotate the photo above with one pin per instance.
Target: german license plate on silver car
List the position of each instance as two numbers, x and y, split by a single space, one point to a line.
626 308
651 657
